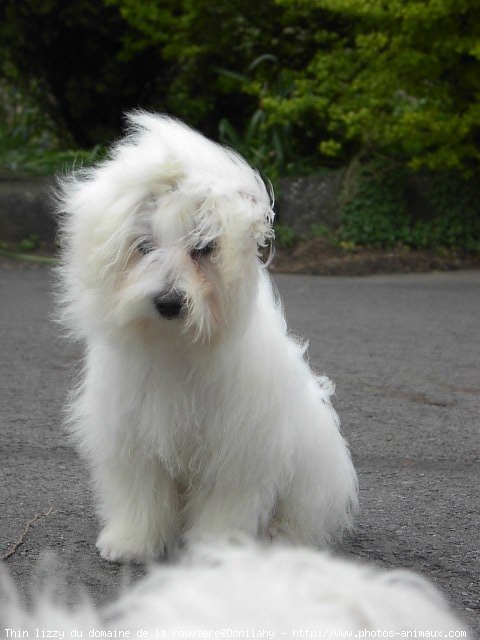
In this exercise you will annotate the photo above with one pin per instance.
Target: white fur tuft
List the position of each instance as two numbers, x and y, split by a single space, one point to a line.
247 591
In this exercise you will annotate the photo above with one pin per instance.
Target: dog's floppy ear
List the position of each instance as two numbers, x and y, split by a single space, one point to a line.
268 186
262 228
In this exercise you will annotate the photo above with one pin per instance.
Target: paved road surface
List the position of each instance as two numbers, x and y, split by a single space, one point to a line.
404 352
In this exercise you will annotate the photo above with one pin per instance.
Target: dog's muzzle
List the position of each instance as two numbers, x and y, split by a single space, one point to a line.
169 305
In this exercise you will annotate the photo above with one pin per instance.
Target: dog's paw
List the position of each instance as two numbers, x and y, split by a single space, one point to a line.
128 547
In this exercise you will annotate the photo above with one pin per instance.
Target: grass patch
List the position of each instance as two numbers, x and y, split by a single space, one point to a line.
35 161
28 257
30 249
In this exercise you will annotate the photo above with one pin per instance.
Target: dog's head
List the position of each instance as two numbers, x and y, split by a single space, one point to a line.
162 236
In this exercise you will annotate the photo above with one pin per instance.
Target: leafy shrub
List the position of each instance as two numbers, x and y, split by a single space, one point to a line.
379 211
30 142
399 78
267 148
266 145
29 244
285 237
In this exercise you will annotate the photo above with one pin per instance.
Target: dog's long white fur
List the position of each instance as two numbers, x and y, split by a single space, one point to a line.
211 423
248 591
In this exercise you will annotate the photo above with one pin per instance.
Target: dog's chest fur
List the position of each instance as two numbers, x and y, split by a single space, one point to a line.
178 405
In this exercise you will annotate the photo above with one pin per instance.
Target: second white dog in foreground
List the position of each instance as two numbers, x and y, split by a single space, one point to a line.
197 411
251 592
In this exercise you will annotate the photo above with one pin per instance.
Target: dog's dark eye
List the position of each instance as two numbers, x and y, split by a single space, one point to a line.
204 250
145 246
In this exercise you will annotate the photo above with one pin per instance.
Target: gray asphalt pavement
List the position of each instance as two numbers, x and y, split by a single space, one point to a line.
404 352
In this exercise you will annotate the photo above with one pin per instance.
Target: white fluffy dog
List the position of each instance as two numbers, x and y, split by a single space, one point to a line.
251 592
197 411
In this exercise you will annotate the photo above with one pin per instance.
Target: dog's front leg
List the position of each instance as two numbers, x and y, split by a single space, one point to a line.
226 512
138 506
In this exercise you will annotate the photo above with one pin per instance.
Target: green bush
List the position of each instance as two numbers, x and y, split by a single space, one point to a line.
75 52
399 78
267 146
345 76
30 142
35 161
285 237
391 207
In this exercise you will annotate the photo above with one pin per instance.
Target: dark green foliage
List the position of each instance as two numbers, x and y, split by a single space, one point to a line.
294 85
29 244
30 141
375 214
217 54
392 207
268 146
397 77
285 236
338 76
73 51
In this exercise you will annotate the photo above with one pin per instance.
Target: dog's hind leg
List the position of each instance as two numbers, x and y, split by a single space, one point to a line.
320 500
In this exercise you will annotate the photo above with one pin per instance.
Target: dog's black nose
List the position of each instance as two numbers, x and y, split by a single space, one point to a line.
169 305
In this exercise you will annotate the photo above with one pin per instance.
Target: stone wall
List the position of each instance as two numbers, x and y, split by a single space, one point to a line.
26 209
26 205
305 201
